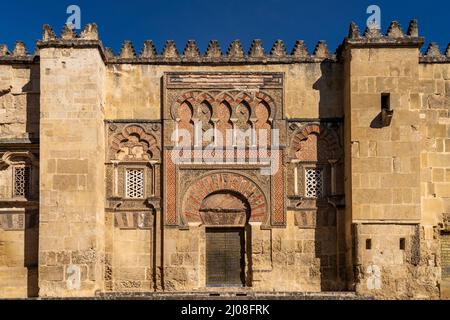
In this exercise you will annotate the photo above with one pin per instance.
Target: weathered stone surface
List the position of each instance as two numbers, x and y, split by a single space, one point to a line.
363 206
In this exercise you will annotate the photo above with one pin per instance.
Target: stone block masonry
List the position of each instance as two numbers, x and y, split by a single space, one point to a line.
92 205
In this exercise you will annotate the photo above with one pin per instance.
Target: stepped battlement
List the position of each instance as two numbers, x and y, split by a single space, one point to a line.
234 54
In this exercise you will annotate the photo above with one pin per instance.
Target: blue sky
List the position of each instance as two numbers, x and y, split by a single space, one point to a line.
224 20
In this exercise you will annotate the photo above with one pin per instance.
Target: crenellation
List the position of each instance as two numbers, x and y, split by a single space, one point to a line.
213 55
213 51
394 30
235 50
278 49
170 51
256 49
235 53
394 36
4 50
433 54
300 51
353 32
413 28
19 49
48 34
109 54
127 51
321 50
191 51
148 50
68 33
90 32
372 31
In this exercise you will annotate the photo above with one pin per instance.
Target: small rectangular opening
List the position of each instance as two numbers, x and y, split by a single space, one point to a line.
385 101
402 243
368 244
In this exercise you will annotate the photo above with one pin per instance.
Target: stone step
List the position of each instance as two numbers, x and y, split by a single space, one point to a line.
210 295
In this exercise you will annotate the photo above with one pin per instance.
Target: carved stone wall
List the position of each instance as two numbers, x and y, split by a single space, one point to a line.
19 223
133 201
221 101
315 194
111 212
199 184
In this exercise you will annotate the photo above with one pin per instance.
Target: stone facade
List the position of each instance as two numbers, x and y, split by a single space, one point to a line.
92 201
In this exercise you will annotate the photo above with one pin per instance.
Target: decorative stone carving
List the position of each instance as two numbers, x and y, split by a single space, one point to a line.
149 50
278 49
134 155
300 50
170 50
235 50
134 220
48 33
315 143
68 33
395 31
217 182
191 50
127 51
413 28
222 100
433 51
354 32
233 99
321 50
134 143
394 36
90 32
433 54
109 53
256 49
17 221
4 50
20 50
372 31
21 157
213 51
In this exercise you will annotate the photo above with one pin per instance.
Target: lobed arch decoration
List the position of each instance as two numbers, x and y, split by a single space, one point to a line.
314 142
243 112
218 183
134 144
233 98
223 114
225 97
9 159
206 97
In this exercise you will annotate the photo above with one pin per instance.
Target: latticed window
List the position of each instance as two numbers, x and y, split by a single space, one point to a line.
135 183
314 183
21 181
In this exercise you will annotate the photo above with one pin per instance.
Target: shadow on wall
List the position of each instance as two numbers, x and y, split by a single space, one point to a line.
31 89
31 252
330 247
31 237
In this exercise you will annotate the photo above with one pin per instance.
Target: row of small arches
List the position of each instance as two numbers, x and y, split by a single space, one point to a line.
224 115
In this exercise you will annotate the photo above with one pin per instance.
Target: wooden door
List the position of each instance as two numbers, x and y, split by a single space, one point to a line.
225 261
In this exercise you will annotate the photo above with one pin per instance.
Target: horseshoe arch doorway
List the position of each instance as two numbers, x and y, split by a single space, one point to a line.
226 215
